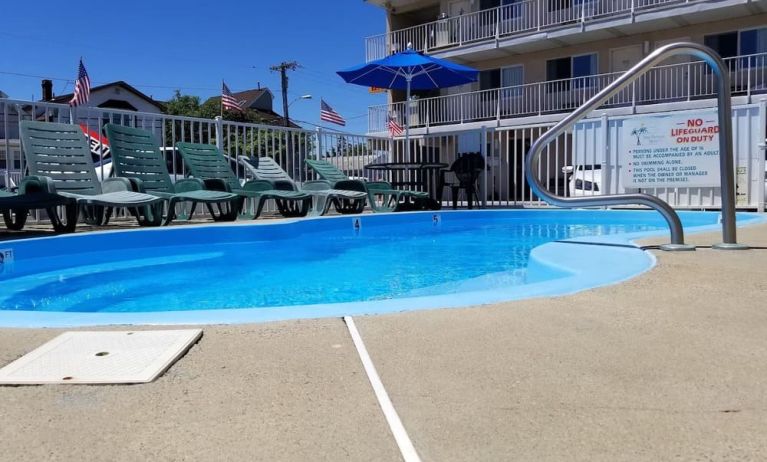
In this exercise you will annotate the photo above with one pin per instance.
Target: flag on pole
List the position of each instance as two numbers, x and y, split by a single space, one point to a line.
329 115
228 100
395 129
82 87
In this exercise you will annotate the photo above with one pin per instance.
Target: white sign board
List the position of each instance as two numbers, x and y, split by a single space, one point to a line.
671 152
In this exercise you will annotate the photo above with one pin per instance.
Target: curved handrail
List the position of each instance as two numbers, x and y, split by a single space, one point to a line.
725 146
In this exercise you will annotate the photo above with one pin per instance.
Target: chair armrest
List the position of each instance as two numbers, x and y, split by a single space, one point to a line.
33 184
188 184
284 185
351 185
216 184
316 185
258 185
136 184
116 184
378 185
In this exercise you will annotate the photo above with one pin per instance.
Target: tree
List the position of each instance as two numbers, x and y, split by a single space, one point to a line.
243 137
638 132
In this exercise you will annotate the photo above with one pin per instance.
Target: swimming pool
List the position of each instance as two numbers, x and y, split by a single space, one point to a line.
322 267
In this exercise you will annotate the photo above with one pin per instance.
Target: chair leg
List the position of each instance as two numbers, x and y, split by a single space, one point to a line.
454 193
15 219
71 214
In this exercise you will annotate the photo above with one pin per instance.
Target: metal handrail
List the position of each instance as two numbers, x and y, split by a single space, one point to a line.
725 148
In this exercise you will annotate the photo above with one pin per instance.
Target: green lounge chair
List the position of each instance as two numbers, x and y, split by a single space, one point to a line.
33 195
136 155
205 162
60 153
391 200
345 201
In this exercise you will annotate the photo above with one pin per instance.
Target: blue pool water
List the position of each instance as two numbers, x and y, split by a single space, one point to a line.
310 263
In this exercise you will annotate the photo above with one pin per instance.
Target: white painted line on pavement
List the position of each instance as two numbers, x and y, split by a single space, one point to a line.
397 429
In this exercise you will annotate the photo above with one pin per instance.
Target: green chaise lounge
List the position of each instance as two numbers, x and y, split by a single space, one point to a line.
136 156
33 195
205 162
59 153
345 201
391 200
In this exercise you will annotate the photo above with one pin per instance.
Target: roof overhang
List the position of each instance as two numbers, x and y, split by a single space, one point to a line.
403 6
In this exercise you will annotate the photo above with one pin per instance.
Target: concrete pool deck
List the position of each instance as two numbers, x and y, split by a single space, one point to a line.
669 365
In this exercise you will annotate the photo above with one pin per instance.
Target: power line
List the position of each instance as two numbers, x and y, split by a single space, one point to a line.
140 85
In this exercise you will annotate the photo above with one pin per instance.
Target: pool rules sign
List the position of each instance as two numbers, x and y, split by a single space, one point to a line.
670 152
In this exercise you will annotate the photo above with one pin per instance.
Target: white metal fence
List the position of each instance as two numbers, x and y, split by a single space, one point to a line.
581 162
663 84
516 19
586 161
288 146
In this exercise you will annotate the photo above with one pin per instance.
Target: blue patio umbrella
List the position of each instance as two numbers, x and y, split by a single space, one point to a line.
409 70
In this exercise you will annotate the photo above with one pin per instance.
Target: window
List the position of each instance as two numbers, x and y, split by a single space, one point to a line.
725 44
489 79
745 42
514 77
578 68
558 69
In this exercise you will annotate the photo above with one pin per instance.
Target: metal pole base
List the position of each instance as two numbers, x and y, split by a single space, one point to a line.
677 247
729 246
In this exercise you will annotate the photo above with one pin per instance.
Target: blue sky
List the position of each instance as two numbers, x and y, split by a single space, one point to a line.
191 45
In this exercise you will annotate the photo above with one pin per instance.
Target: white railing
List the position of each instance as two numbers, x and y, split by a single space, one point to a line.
577 164
668 83
505 21
574 165
288 146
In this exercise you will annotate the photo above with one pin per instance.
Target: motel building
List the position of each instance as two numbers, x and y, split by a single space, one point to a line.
541 59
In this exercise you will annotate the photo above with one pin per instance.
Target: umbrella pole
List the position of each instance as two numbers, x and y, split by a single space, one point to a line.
407 122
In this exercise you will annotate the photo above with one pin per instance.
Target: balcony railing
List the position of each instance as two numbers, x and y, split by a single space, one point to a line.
663 84
504 21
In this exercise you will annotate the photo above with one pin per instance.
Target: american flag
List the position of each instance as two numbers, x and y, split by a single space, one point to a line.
228 101
329 115
395 129
82 87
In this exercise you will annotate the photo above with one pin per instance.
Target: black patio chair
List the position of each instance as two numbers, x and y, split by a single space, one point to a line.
463 175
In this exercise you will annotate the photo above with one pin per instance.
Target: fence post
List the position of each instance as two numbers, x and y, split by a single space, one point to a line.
319 142
608 153
762 151
483 148
220 133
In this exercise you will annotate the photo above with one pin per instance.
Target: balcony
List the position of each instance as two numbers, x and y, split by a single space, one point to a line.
663 84
531 17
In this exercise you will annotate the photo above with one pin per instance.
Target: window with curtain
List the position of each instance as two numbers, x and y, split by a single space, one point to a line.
512 76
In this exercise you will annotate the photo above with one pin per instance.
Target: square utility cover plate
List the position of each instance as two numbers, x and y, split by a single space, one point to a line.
101 357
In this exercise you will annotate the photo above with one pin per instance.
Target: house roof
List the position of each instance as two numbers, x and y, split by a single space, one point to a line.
119 83
250 96
247 97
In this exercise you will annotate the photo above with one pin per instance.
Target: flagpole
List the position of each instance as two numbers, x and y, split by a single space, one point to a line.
221 106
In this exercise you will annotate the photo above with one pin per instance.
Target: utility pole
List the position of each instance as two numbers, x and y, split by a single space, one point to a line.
283 69
293 165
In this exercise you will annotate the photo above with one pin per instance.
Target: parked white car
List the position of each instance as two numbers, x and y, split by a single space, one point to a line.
583 180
